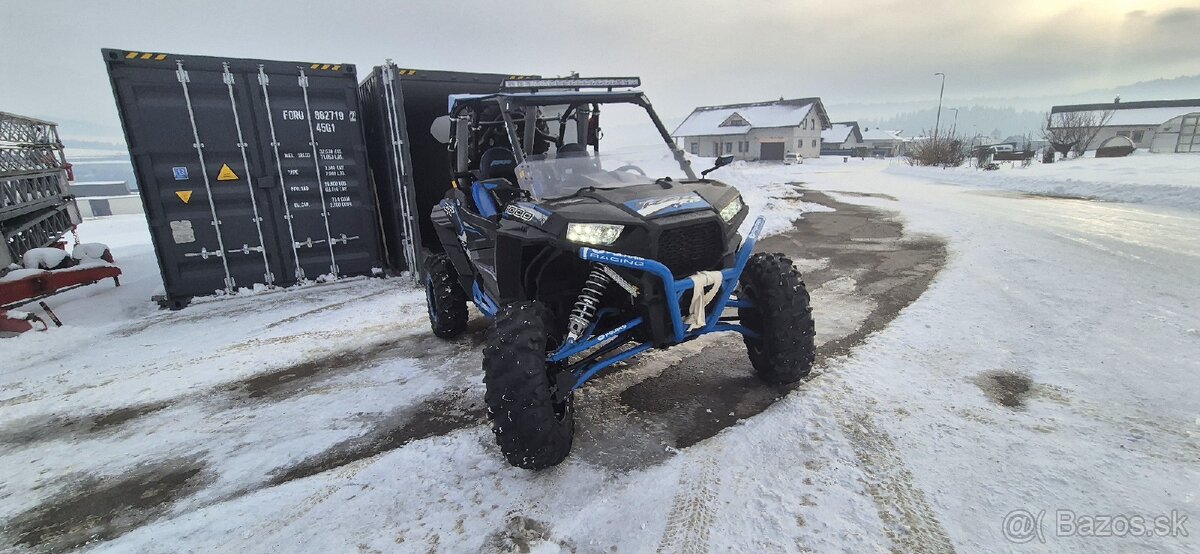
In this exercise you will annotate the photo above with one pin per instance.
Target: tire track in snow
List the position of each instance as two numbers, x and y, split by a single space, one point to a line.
692 509
909 521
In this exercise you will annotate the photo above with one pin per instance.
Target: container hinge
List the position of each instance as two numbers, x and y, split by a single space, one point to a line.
269 277
343 239
227 77
387 71
205 254
182 75
302 80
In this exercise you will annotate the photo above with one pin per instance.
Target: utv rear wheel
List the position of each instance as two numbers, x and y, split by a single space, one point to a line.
532 430
444 297
785 349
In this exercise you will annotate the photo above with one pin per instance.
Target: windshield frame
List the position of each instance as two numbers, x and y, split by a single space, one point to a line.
508 101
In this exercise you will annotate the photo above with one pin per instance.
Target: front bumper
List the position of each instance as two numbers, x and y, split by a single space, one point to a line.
674 289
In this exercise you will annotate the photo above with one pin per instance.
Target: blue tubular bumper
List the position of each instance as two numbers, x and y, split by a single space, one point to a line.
674 291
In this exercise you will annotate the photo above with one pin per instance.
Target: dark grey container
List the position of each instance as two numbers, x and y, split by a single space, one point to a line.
410 166
251 171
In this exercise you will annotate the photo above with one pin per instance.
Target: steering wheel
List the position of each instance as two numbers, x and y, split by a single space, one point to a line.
631 167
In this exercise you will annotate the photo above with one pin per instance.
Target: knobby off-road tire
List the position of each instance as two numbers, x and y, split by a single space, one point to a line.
781 316
444 297
533 432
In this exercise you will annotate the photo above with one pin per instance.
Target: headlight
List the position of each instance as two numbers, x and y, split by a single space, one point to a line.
599 234
731 209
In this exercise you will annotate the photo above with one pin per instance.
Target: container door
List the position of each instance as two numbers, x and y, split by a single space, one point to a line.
251 171
183 129
325 214
400 164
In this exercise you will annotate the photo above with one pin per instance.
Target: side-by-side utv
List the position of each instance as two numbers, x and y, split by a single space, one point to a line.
586 250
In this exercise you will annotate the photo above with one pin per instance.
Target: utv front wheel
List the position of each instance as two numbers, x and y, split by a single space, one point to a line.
785 349
444 297
532 430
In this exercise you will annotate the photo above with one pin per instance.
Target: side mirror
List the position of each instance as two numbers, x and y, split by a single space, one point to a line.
440 129
722 161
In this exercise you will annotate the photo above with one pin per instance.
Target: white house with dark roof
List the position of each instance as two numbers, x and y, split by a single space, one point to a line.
1137 121
885 142
755 131
841 137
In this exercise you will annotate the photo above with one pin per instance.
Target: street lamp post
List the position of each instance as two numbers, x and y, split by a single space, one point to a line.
939 112
954 126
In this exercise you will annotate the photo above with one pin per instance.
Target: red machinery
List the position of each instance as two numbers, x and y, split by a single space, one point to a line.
32 285
36 210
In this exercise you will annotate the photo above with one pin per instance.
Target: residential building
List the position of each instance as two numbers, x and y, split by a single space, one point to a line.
841 138
884 142
755 131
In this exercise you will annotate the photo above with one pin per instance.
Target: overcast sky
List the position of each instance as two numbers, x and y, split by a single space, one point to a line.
687 53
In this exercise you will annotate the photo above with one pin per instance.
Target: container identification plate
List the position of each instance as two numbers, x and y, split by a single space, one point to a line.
181 173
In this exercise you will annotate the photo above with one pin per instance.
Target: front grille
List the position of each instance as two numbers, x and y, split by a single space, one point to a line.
686 250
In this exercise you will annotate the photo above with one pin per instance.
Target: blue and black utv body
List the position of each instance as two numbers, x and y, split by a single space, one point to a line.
583 258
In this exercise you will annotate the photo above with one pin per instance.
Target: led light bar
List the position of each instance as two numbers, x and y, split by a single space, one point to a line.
573 82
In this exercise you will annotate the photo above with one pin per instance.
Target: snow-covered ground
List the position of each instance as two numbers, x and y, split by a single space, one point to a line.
1050 366
1160 179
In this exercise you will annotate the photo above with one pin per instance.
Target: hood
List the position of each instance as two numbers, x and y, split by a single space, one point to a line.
629 204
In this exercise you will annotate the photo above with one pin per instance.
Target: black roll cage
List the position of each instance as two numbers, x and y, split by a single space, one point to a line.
508 101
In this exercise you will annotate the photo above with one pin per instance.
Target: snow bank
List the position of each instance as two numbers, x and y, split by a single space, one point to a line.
1159 179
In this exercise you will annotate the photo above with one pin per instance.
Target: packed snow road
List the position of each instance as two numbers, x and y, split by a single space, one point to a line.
982 355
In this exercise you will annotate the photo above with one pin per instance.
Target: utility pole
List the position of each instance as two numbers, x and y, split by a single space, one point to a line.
939 112
954 126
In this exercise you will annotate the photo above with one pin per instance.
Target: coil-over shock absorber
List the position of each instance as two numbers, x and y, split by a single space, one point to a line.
588 302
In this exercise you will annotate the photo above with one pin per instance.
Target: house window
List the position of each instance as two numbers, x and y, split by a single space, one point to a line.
804 124
728 147
814 143
696 148
800 143
1123 134
1138 136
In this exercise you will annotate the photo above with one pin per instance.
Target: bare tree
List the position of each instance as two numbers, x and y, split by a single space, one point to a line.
1070 132
946 150
1088 133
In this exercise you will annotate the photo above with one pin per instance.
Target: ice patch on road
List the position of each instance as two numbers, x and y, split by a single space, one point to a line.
839 309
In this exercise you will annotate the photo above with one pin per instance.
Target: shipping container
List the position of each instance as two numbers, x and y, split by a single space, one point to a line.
409 163
251 171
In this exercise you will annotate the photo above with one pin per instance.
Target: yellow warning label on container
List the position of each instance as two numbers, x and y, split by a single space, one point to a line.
226 174
185 195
